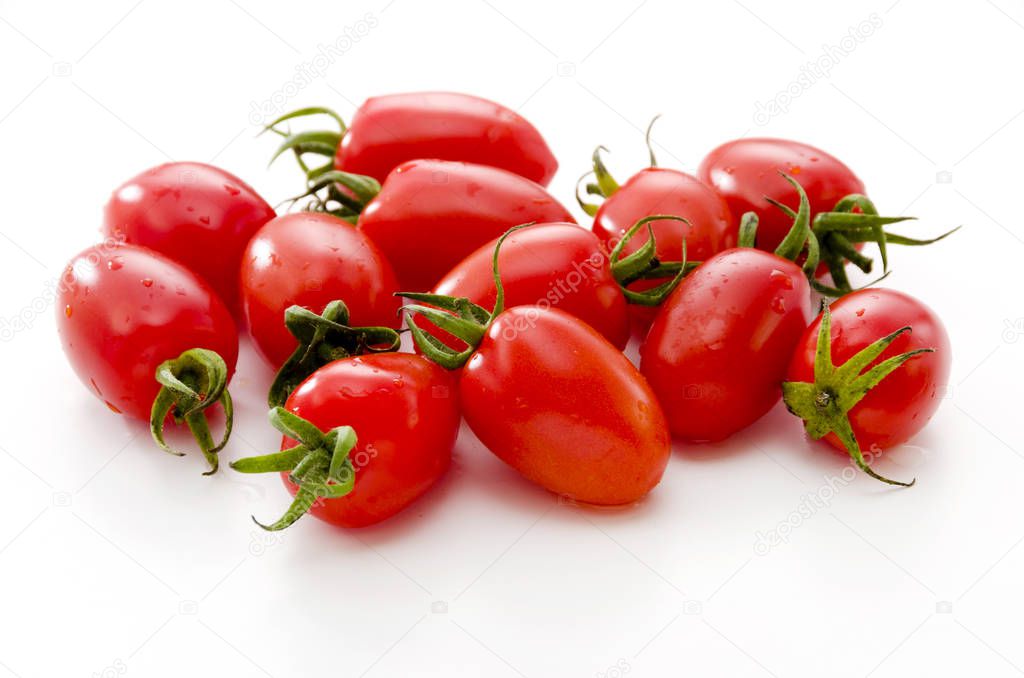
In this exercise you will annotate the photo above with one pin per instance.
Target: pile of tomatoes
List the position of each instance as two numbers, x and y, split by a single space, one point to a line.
518 314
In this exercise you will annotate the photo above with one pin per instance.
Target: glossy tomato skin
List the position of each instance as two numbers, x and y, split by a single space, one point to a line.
718 350
123 310
553 399
744 171
657 190
558 265
196 214
404 410
897 408
389 130
311 259
430 214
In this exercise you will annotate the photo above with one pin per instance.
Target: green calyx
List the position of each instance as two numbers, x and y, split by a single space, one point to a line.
825 404
319 464
342 194
323 339
799 240
458 316
853 220
190 384
598 181
645 265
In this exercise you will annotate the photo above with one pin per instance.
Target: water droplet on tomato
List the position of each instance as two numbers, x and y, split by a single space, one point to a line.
114 263
860 312
67 310
204 220
113 408
795 169
233 190
778 305
147 282
779 277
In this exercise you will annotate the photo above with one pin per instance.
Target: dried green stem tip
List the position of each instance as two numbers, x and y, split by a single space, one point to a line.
319 464
323 339
190 384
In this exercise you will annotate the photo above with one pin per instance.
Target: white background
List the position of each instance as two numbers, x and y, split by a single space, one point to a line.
115 558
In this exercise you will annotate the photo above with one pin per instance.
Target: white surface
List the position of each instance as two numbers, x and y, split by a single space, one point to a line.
116 558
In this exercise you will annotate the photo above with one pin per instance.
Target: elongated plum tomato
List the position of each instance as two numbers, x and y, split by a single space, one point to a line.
898 406
125 311
311 259
389 130
430 214
196 214
399 417
745 171
717 351
559 265
553 399
548 395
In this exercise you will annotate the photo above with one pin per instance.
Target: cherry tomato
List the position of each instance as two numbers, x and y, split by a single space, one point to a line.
430 214
310 260
402 411
900 405
196 214
656 190
553 399
718 349
123 310
554 265
745 171
389 130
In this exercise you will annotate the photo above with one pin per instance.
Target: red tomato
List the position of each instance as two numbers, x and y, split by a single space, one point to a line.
196 214
430 214
900 405
718 349
389 130
744 171
311 259
559 265
124 310
656 190
552 398
404 412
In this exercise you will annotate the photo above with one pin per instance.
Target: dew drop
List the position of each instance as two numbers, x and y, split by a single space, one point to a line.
233 190
778 305
114 263
779 277
147 282
204 220
67 310
860 312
